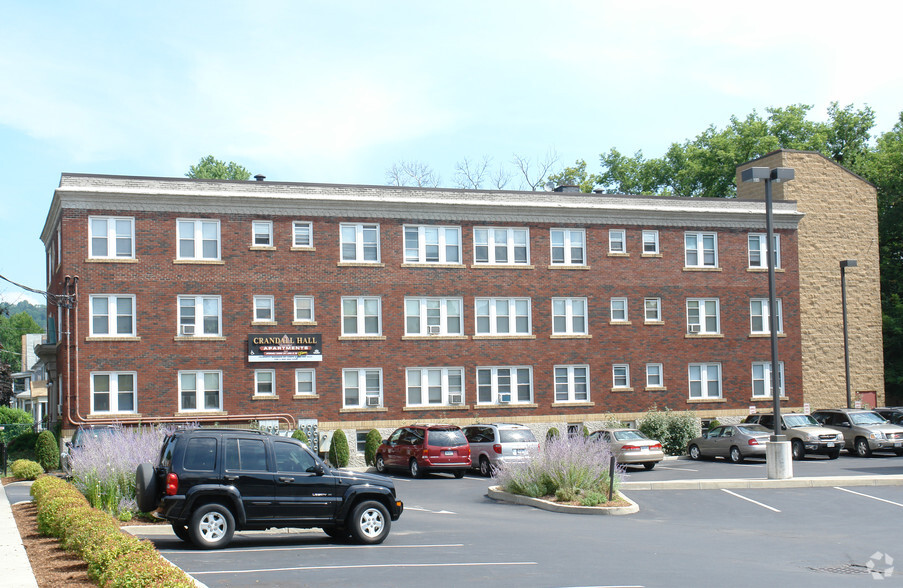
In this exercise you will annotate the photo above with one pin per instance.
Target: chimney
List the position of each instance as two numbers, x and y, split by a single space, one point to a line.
260 177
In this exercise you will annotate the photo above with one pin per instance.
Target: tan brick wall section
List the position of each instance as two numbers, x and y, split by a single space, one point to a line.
841 222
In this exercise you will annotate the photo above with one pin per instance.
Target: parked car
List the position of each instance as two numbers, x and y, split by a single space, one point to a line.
894 414
78 440
492 444
631 447
425 448
209 483
805 434
734 442
864 431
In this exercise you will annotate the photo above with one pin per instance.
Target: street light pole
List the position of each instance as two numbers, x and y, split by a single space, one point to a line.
844 264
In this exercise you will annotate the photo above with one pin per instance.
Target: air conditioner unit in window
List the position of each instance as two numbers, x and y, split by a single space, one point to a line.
433 329
505 398
372 400
693 328
455 398
187 329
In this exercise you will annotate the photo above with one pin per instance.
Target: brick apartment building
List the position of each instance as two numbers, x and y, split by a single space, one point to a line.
360 307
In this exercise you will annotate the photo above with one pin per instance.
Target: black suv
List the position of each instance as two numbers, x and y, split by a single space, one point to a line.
208 483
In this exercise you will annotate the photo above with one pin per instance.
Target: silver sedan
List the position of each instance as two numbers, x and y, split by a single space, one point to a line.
735 442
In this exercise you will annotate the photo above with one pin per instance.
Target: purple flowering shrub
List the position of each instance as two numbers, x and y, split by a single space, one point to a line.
564 466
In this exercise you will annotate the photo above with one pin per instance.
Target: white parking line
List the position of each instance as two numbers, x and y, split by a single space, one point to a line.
661 467
421 509
750 500
316 547
364 566
869 496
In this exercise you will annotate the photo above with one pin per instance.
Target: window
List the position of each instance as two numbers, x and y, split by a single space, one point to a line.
362 388
264 382
503 316
619 310
113 392
262 233
248 455
292 459
112 315
761 379
435 386
302 234
198 239
617 242
652 309
199 316
620 375
199 391
759 317
650 242
433 316
703 316
705 380
501 246
361 316
305 382
701 249
304 309
504 385
361 438
110 237
654 378
758 250
569 316
263 309
568 246
428 244
360 242
571 383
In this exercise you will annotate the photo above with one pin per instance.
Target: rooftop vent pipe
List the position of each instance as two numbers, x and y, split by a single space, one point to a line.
260 177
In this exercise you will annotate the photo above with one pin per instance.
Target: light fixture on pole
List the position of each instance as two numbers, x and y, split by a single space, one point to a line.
844 264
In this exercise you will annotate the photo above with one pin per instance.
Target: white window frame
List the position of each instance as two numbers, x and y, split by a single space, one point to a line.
361 374
620 376
361 315
487 313
519 379
112 315
111 236
433 316
261 233
761 314
757 254
305 372
567 247
501 239
761 379
572 312
417 380
309 300
260 382
650 242
200 377
701 307
114 392
618 310
652 310
708 374
306 229
567 380
695 249
655 377
199 316
617 241
264 304
197 238
362 242
447 253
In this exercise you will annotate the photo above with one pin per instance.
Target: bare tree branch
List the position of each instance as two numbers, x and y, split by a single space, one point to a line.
412 173
534 174
470 174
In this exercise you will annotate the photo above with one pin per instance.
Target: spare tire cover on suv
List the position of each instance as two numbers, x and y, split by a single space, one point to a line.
147 488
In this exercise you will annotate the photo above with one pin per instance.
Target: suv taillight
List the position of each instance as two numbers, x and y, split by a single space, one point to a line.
497 448
172 484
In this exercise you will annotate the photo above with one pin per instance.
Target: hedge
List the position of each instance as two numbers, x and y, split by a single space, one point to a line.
25 469
338 449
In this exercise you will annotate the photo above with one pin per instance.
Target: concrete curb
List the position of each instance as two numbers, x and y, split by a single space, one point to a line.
13 559
496 493
717 484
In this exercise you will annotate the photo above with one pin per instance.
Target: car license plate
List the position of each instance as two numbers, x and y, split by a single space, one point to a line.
448 453
517 452
830 445
644 450
896 443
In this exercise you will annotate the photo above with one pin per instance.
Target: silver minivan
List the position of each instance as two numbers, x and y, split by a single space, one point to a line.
492 444
864 431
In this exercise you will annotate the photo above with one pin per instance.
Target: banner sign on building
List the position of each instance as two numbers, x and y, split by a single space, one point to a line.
285 347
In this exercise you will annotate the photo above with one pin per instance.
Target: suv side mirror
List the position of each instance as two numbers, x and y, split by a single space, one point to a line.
319 469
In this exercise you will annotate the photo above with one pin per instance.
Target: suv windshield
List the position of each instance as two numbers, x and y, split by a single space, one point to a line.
867 418
516 435
800 420
447 437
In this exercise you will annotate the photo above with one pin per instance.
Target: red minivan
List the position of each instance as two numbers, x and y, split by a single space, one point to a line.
425 448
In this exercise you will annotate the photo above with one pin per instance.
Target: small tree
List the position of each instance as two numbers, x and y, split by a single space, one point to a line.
210 168
338 449
374 439
552 433
673 429
48 451
301 436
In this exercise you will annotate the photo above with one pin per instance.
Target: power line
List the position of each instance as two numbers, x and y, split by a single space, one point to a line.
64 300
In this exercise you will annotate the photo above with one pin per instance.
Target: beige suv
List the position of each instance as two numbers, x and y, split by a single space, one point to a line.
805 433
864 431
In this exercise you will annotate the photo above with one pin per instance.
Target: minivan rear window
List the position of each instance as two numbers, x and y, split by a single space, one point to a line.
447 438
516 435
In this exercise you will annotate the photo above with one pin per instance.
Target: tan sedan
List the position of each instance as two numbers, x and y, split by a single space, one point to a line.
631 447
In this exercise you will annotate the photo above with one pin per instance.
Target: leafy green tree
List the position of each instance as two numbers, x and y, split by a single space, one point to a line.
6 383
301 436
210 168
48 451
11 331
338 449
374 439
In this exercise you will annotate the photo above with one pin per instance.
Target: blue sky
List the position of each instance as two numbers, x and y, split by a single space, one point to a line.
337 92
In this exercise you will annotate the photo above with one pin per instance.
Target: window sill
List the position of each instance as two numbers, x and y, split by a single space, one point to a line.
199 338
362 338
264 397
704 336
305 396
514 405
434 337
427 265
570 404
659 255
624 389
564 266
618 254
620 323
304 323
262 323
701 269
111 260
766 399
761 270
488 337
655 389
298 248
109 415
705 400
502 266
360 264
261 248
191 413
198 262
436 407
366 409
570 336
113 338
654 322
765 335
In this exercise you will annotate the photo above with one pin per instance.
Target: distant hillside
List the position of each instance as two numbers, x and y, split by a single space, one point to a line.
38 313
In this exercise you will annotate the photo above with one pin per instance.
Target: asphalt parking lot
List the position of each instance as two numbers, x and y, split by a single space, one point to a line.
452 534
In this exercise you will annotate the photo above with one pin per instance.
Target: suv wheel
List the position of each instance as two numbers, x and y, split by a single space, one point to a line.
370 522
862 447
147 488
380 464
485 467
414 467
211 526
736 456
797 449
181 532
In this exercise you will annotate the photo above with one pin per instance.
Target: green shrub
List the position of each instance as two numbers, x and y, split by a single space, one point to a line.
714 423
85 527
593 498
566 494
338 449
673 429
101 556
25 469
9 416
50 513
48 451
144 567
552 433
24 442
301 436
374 440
